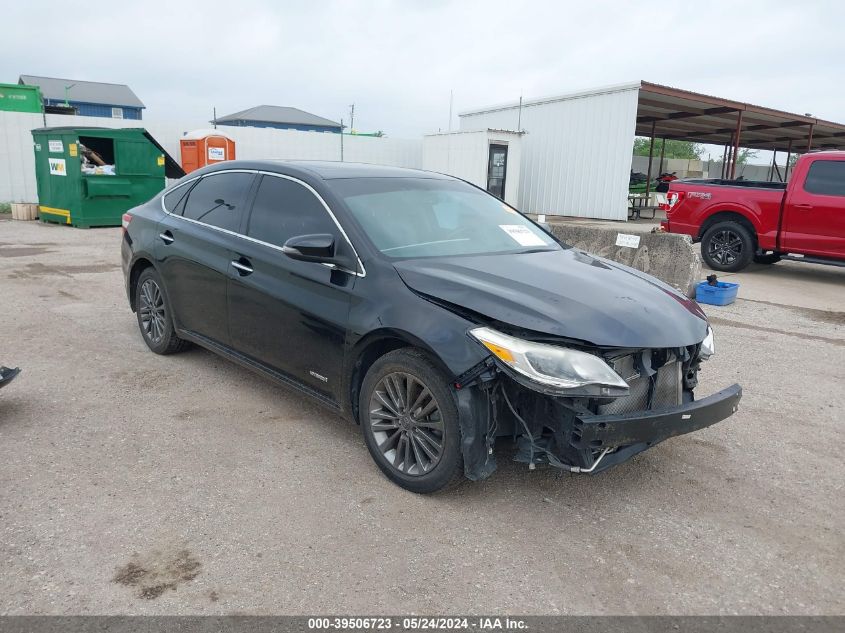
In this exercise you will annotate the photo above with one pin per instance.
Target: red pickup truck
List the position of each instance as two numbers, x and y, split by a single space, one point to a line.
740 221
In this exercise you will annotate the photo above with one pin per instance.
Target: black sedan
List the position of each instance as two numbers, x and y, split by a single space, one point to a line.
426 310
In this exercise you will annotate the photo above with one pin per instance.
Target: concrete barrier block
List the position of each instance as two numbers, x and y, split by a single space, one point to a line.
670 257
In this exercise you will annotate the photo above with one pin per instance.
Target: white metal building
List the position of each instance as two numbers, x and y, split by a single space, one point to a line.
489 159
576 151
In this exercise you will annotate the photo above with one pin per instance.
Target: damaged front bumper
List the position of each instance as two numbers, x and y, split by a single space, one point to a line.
574 434
635 432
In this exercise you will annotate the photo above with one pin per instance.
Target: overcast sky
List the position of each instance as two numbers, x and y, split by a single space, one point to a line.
397 61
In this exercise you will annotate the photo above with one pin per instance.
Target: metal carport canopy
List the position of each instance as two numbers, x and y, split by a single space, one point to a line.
675 114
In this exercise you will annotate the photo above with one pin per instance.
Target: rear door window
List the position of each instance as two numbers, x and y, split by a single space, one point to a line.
219 199
826 177
284 209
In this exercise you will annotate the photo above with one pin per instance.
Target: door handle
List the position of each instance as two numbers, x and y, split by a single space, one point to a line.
803 207
166 237
243 266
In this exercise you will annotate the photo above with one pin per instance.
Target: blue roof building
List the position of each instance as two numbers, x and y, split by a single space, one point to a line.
88 98
281 118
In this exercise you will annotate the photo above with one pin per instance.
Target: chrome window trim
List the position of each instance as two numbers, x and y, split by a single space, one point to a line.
363 272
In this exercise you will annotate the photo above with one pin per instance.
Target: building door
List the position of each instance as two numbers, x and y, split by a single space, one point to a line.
497 169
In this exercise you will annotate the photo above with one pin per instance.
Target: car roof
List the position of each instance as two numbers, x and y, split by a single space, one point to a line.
328 170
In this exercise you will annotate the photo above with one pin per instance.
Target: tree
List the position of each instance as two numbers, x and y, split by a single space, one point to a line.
674 149
745 155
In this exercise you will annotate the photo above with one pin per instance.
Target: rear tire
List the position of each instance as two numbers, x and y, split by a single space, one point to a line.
410 422
727 247
155 320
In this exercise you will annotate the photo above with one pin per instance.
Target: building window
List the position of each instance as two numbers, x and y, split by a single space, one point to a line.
117 113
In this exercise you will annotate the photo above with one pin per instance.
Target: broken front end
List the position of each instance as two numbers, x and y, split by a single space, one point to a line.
580 409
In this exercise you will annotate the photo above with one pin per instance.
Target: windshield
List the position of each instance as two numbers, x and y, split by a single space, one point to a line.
427 217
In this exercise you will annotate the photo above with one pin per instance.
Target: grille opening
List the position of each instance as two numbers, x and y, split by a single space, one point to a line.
667 390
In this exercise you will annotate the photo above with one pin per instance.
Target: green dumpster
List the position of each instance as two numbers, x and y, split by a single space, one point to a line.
17 98
91 176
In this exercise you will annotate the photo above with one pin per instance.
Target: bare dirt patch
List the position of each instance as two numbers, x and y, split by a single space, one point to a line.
38 270
23 251
153 574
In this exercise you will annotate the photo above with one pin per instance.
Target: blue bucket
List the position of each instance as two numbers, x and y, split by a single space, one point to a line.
722 294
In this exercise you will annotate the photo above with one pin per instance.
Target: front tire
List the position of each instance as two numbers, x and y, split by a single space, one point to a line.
155 319
410 422
727 247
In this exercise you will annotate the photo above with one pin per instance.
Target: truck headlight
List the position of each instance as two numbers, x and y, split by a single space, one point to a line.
708 345
559 370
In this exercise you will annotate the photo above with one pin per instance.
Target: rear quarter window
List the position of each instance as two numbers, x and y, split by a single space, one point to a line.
826 177
174 200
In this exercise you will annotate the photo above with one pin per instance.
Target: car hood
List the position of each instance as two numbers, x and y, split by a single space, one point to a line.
566 293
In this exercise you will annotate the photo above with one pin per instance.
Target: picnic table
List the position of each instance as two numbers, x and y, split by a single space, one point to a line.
639 202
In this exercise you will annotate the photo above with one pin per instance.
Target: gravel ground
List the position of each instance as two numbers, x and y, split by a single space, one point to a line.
135 483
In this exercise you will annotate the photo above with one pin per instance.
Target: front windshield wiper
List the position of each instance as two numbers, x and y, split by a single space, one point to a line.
535 250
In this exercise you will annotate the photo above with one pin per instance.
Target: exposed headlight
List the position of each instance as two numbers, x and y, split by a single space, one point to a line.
708 345
559 369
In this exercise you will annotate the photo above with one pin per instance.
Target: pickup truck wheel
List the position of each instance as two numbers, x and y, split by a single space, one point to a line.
770 258
727 247
410 422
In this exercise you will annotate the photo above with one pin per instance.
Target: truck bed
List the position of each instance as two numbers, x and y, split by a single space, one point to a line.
748 184
758 201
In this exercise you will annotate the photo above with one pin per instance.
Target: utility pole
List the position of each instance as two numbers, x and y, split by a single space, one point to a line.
214 109
352 118
341 140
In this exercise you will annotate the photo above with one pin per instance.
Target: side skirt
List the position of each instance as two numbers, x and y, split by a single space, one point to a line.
257 367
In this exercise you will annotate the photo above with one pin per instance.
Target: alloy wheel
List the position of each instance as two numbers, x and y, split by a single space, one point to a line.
151 310
725 247
407 424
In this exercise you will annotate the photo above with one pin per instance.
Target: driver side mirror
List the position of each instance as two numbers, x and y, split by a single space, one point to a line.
311 248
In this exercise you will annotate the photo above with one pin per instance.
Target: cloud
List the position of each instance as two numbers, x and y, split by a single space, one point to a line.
397 61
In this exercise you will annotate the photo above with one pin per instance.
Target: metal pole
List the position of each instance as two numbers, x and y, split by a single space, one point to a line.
772 168
788 156
662 152
341 140
810 138
519 116
214 110
724 160
730 154
650 156
736 143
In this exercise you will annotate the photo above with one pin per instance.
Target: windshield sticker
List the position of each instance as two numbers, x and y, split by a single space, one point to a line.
522 235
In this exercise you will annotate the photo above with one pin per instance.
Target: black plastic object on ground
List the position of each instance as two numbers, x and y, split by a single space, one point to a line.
8 374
